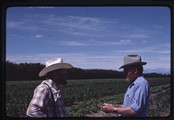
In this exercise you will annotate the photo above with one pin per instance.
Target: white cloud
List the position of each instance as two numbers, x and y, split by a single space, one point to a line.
138 36
85 31
144 41
85 26
159 49
26 25
157 56
156 62
157 26
72 25
80 26
144 51
72 43
14 24
93 42
126 41
78 33
38 36
93 61
108 43
12 35
80 60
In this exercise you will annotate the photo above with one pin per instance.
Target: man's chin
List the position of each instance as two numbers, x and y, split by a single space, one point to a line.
128 80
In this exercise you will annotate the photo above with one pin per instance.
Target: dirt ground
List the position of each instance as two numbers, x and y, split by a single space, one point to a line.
100 113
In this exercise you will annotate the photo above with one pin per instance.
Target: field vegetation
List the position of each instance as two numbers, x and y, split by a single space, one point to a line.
83 97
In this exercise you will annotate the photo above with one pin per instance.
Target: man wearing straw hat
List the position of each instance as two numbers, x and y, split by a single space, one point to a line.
47 100
136 98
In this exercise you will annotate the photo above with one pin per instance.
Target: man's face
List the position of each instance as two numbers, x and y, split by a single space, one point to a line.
60 76
130 73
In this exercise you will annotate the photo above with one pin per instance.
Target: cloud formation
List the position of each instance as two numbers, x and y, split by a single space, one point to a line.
92 61
94 43
87 40
38 36
79 26
159 49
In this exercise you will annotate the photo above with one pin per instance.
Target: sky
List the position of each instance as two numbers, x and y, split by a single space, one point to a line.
90 37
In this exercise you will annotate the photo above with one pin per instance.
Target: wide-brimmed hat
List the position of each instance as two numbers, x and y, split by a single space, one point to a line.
54 64
132 60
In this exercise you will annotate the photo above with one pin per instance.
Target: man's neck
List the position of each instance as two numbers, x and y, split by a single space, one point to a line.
135 79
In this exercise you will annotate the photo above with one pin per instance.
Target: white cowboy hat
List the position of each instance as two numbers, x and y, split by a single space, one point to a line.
54 64
132 60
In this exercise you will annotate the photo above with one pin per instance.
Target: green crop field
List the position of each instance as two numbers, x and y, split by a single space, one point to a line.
81 97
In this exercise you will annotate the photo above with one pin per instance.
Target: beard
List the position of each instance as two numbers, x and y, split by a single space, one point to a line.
128 80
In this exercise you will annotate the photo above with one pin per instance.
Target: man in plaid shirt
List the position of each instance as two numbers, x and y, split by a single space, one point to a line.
47 100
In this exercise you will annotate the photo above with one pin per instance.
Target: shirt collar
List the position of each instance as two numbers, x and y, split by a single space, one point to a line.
51 83
132 84
135 81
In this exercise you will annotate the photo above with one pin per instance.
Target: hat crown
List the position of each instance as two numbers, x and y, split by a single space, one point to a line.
132 59
53 61
54 64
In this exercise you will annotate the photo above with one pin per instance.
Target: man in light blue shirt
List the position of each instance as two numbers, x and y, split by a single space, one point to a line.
136 98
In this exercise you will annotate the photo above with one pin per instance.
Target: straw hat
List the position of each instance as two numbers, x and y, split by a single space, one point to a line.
132 60
54 64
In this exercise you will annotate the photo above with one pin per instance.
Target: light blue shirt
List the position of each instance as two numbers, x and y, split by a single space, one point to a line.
137 96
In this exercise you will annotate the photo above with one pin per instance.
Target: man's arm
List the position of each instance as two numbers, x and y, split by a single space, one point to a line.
124 111
35 108
114 105
139 103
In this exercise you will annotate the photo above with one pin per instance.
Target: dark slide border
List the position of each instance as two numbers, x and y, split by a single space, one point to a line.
4 4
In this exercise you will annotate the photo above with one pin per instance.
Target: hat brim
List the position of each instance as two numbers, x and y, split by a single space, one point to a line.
57 66
135 63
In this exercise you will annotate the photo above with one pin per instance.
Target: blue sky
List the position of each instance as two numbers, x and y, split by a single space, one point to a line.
90 37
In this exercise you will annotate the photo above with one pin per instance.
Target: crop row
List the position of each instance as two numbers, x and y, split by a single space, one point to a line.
75 93
92 105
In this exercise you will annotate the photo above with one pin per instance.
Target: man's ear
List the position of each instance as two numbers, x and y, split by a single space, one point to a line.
136 70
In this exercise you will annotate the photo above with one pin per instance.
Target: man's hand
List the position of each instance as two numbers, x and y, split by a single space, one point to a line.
108 108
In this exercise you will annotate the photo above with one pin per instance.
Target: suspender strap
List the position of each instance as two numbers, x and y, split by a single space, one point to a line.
53 102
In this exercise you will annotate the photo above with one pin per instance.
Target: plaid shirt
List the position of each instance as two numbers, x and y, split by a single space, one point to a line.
41 104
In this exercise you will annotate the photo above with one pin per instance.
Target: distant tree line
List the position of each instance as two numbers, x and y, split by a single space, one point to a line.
30 71
23 71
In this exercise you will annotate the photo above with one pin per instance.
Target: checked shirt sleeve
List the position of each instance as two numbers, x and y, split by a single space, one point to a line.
36 106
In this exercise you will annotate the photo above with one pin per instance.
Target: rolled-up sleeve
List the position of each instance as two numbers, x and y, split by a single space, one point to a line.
36 106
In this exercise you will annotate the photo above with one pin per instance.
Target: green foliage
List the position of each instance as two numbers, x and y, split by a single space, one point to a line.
82 96
160 101
22 71
86 106
30 71
87 89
